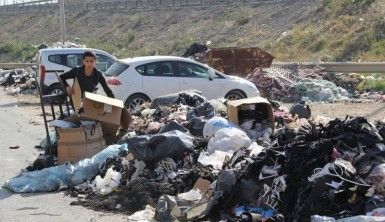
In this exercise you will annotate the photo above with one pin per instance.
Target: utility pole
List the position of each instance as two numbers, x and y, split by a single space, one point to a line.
62 21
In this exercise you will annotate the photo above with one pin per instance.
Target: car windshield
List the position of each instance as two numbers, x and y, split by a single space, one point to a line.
116 69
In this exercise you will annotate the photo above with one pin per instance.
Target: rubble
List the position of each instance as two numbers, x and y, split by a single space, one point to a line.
291 84
18 81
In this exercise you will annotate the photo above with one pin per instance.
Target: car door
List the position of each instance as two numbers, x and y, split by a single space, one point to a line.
159 78
194 76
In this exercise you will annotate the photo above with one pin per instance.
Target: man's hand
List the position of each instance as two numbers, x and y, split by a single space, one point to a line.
70 91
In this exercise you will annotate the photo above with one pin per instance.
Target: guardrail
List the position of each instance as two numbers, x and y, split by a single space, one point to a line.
343 67
16 65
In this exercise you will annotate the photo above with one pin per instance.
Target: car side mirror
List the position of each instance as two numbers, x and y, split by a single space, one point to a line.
211 74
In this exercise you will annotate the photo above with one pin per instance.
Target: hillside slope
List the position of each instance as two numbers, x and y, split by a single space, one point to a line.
304 30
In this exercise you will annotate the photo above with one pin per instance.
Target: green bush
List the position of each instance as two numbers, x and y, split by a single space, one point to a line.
372 84
12 52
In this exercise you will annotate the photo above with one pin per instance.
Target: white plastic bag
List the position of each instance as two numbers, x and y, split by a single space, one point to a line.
216 159
228 139
213 125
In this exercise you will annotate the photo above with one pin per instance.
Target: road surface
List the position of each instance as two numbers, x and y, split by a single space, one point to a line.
21 125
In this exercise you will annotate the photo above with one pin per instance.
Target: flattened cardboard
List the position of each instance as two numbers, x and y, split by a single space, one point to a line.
102 108
236 106
76 96
126 119
75 144
110 133
202 185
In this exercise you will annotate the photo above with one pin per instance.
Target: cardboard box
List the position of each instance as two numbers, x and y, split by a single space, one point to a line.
111 112
256 108
75 144
102 108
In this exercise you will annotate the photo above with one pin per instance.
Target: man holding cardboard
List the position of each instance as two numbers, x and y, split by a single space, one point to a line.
109 111
87 75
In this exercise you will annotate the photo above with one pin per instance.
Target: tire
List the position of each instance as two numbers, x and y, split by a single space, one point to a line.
235 95
136 100
55 89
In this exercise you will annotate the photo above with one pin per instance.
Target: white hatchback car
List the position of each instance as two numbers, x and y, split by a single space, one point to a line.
141 79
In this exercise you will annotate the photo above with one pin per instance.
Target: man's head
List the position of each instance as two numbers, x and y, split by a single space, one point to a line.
89 60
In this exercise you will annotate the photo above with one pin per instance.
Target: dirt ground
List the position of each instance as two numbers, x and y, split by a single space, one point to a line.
373 111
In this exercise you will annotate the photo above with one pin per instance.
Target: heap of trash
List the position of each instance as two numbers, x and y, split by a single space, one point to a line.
68 44
18 81
185 158
290 84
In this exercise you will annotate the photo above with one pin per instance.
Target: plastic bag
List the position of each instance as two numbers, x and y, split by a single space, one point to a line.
361 219
62 124
146 215
215 160
215 124
110 181
189 97
55 178
228 139
377 176
159 146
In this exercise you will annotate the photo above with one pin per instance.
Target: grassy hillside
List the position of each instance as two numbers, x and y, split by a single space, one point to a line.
341 30
303 30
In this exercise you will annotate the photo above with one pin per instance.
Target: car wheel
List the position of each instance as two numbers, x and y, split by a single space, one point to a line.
235 95
55 89
135 101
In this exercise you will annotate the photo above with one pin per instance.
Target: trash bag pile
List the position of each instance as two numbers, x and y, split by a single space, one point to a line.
195 50
348 81
18 81
291 84
184 161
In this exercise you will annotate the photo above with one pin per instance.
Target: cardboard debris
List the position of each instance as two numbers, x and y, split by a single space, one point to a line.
102 108
256 108
75 144
202 185
76 96
110 133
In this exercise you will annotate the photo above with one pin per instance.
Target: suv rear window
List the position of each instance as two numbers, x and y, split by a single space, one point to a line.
69 60
58 59
116 69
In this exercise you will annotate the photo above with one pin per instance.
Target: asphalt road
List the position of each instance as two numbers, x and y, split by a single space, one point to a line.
16 128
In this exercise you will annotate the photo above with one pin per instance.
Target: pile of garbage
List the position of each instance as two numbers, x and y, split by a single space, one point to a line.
348 81
18 81
291 84
68 44
183 160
